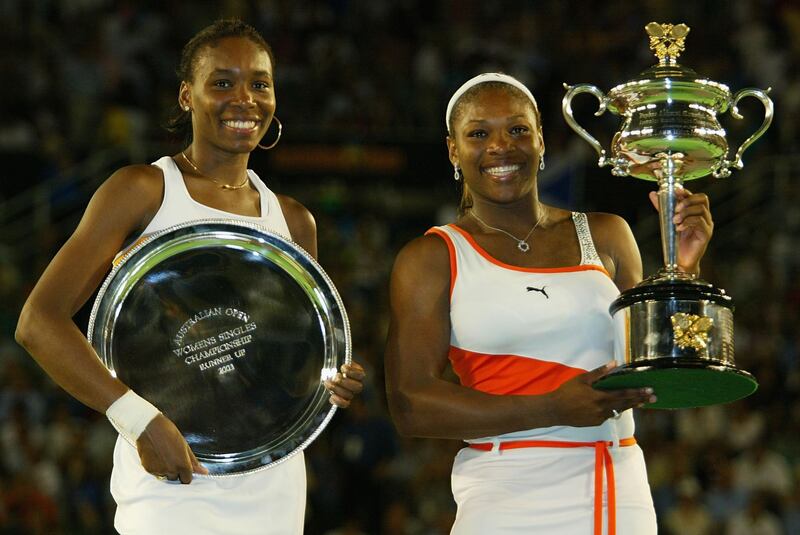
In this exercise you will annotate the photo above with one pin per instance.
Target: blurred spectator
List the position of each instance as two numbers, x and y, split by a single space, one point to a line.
366 443
723 497
755 520
689 516
745 427
762 470
791 512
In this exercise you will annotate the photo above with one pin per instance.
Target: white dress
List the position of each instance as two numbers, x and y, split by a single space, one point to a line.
525 331
269 502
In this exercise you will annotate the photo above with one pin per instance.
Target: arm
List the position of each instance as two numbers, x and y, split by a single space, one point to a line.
121 206
45 327
423 403
301 224
617 247
349 381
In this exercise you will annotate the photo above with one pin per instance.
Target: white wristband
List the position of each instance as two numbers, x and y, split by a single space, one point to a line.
130 414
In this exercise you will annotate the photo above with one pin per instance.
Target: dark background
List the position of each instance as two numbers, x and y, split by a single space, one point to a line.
362 88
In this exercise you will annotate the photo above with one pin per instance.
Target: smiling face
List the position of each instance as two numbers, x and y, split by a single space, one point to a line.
496 141
231 94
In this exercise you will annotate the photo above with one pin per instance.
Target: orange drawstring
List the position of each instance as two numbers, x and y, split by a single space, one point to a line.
603 462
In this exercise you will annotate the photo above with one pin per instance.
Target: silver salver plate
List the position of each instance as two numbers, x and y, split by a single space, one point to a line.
230 330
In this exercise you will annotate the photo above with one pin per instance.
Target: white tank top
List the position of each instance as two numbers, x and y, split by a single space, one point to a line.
518 331
178 205
270 501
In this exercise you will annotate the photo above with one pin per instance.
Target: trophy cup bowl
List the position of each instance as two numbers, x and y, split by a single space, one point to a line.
673 332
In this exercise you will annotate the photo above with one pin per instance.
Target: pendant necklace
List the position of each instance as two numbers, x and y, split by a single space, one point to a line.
212 179
522 244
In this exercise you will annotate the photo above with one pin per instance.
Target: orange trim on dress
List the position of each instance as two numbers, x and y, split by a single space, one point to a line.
603 462
452 251
118 258
480 250
509 374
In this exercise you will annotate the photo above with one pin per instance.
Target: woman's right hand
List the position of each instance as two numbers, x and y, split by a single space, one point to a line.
165 453
579 404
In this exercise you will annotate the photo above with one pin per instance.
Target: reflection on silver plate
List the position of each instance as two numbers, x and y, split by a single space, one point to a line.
229 330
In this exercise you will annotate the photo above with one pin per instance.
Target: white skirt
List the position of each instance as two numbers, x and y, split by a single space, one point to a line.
270 502
548 491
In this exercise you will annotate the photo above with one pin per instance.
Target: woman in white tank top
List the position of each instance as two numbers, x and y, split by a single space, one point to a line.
514 297
227 103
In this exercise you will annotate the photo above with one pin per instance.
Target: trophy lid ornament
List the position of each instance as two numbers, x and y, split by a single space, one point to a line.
667 40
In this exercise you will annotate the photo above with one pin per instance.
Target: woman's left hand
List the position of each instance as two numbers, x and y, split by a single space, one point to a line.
694 226
344 387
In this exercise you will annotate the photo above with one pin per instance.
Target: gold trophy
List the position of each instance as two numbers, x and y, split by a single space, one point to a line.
674 332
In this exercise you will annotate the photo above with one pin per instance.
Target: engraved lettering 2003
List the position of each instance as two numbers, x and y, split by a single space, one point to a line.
219 350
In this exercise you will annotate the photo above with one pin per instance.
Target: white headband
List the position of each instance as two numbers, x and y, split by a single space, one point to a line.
482 78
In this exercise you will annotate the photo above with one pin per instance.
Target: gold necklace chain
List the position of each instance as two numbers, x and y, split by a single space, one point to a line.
212 179
522 244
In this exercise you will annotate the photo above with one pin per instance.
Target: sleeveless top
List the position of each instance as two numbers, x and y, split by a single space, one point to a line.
178 206
525 331
247 500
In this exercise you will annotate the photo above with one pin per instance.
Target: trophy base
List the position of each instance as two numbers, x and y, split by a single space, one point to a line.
682 383
674 333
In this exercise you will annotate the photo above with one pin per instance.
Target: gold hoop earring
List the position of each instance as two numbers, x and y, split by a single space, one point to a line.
280 130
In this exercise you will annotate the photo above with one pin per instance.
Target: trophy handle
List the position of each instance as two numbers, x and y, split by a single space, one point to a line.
566 109
723 170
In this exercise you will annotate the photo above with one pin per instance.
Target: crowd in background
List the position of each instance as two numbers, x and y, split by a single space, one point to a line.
82 77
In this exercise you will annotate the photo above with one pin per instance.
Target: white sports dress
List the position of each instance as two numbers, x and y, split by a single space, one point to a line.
269 502
518 330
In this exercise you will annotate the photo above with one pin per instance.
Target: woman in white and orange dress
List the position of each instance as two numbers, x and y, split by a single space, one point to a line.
514 296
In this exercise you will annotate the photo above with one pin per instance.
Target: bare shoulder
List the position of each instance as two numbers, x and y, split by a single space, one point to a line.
419 292
131 196
608 230
301 223
142 178
617 248
120 207
294 212
139 184
426 256
606 221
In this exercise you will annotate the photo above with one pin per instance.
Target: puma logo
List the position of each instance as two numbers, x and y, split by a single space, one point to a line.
540 290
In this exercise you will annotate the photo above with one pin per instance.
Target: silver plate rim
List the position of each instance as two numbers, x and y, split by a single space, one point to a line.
146 240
